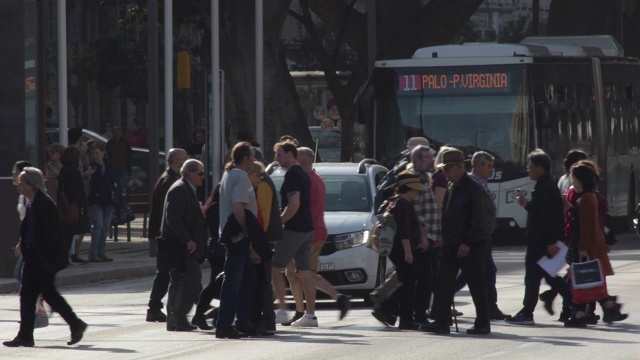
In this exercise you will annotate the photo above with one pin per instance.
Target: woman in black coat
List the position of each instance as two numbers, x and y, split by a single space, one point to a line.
71 185
44 254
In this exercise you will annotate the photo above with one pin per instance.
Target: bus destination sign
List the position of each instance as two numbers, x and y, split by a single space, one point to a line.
455 83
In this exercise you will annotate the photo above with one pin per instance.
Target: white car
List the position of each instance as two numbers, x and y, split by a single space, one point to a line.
346 261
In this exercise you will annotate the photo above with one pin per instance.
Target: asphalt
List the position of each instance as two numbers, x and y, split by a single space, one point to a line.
130 259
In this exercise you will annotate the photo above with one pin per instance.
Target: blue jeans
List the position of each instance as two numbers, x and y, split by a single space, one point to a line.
100 222
238 287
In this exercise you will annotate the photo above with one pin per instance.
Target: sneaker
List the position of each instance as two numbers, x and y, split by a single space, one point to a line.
306 321
94 258
105 258
283 316
520 319
344 304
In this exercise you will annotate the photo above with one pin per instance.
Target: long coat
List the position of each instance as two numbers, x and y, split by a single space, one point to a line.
157 201
51 249
591 239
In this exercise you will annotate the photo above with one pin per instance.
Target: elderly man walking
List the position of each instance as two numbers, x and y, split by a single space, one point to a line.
184 241
175 159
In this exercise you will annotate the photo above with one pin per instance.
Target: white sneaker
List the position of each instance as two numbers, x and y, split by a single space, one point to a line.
283 316
306 322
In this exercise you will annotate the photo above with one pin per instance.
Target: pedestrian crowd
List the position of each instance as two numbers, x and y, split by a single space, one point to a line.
249 232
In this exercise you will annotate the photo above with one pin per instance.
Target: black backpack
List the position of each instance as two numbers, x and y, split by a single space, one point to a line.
384 190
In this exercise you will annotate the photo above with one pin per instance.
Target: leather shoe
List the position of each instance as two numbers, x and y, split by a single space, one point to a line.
547 299
230 333
479 330
156 316
201 322
436 327
409 325
386 319
497 315
247 331
183 326
78 333
17 342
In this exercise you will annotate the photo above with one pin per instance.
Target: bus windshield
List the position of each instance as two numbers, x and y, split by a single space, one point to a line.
472 108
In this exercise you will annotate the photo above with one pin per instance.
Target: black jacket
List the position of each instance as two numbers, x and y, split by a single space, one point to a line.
70 184
464 219
51 249
183 219
545 215
158 195
255 234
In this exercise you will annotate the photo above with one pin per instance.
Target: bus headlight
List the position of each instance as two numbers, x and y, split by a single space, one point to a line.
347 241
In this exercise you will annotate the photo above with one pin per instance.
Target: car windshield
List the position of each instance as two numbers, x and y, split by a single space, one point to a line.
344 192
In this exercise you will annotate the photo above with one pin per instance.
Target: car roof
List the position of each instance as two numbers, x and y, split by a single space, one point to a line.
329 168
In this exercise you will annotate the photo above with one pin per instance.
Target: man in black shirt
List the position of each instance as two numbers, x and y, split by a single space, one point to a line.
298 235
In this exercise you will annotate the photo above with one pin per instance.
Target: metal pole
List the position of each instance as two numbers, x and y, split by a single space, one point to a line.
259 73
371 35
215 136
152 73
168 75
63 114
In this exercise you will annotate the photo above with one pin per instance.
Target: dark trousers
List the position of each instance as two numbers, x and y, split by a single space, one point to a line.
555 290
401 302
159 288
238 287
472 267
534 274
422 264
35 281
261 313
210 292
184 289
490 271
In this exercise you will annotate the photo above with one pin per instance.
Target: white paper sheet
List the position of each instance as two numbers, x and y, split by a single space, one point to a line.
553 265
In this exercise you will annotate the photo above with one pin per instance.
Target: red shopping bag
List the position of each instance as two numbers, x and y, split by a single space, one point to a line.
588 282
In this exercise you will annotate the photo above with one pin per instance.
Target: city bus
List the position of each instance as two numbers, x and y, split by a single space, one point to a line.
553 93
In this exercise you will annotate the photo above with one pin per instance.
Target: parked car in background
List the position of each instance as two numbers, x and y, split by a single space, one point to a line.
140 157
345 261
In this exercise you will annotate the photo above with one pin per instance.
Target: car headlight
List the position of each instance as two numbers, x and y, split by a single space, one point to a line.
347 241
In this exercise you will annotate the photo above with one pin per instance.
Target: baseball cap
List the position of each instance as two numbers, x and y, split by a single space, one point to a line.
450 157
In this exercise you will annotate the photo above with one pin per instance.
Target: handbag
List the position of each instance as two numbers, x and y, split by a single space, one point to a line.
69 213
588 282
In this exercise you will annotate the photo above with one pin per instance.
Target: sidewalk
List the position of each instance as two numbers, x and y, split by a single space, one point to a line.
130 259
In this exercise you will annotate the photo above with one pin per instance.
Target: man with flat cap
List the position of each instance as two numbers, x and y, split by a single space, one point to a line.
464 229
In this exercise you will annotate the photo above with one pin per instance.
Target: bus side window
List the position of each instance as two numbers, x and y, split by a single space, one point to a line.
541 105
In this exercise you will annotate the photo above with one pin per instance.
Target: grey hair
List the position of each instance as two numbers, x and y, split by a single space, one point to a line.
171 154
440 154
190 166
306 151
481 157
417 151
33 177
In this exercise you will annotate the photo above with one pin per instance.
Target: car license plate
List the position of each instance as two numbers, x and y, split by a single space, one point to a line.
327 266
